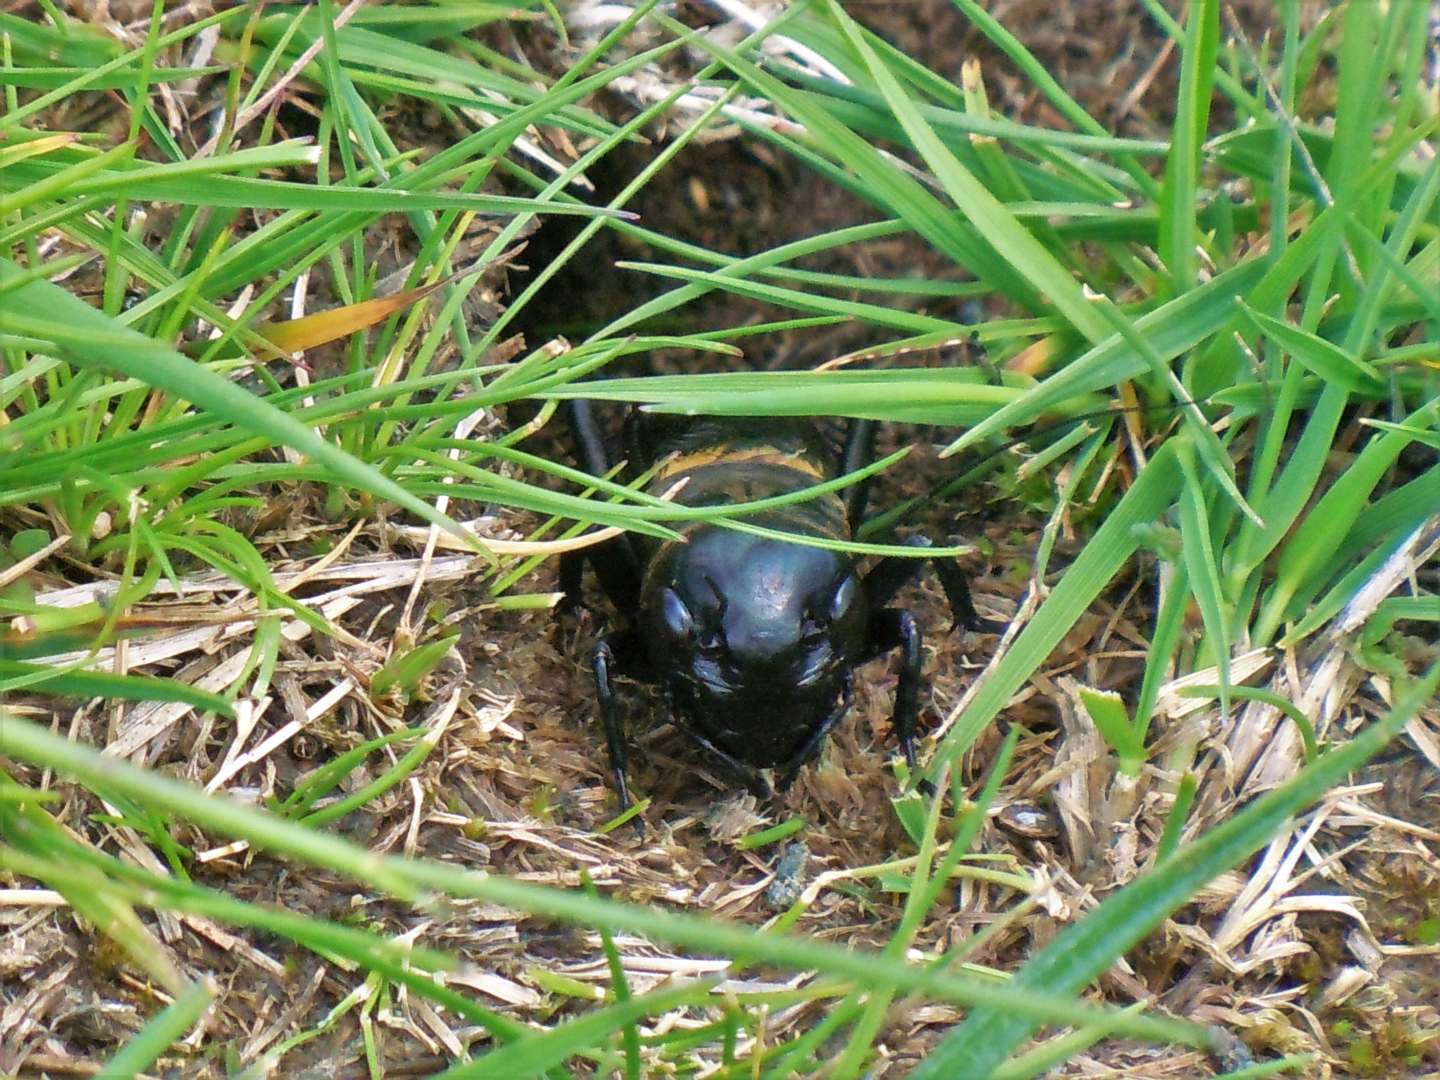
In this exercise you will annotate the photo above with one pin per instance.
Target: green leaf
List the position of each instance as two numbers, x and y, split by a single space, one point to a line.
178 183
888 185
1107 709
405 671
939 396
28 542
1332 518
1202 566
773 835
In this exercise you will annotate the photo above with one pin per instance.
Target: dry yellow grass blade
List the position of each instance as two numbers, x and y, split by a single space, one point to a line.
323 327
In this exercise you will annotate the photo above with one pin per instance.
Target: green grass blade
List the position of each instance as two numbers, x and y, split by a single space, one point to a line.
1178 197
1171 329
888 185
412 880
533 1055
1319 356
1029 258
1331 519
1083 951
87 338
69 682
1202 567
166 1027
1110 549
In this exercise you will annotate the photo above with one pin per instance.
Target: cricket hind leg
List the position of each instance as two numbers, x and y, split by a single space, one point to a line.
617 566
891 574
895 628
616 562
615 653
859 451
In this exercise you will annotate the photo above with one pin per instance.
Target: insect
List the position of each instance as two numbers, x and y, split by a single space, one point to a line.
752 640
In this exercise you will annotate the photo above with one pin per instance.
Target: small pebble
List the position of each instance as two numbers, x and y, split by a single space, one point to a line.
1028 820
789 880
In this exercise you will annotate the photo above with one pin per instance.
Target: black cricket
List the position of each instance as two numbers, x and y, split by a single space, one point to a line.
753 641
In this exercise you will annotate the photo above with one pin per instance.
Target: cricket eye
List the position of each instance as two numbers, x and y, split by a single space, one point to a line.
676 617
844 598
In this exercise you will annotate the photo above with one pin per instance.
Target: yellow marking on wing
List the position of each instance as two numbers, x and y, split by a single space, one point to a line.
727 455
